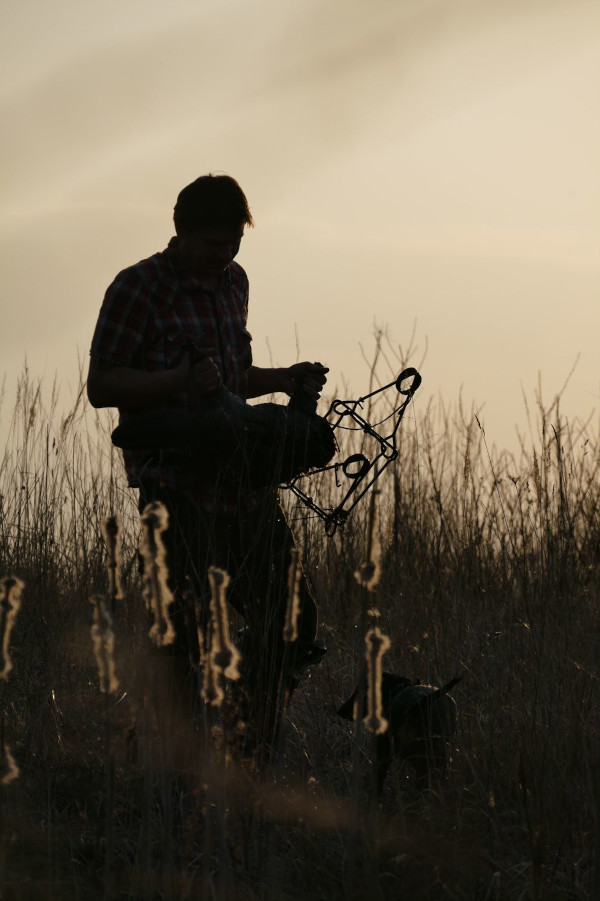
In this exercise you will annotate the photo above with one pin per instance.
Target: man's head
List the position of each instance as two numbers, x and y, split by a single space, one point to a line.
211 201
210 216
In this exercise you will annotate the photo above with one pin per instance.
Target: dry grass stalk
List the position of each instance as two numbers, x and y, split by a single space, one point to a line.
223 658
292 612
10 604
103 640
158 595
376 645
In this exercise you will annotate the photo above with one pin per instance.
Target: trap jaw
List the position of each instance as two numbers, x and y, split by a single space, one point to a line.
358 471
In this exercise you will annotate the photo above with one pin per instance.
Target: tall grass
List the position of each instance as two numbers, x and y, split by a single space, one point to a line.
489 569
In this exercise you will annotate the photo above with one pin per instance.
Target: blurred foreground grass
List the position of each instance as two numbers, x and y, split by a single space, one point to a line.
490 570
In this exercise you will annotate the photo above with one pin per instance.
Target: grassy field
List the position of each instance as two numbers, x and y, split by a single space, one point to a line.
490 569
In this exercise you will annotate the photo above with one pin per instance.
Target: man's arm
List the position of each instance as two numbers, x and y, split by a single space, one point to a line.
310 376
137 389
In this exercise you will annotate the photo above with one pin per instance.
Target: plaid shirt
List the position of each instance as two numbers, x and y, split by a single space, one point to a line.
149 314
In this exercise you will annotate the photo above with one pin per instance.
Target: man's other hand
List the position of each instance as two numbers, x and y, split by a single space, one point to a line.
307 377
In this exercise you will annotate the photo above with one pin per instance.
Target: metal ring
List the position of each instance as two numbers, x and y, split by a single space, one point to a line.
410 373
351 461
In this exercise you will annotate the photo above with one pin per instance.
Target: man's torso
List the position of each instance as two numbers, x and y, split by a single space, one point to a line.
152 313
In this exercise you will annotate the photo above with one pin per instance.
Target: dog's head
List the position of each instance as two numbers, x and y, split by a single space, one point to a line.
422 723
422 720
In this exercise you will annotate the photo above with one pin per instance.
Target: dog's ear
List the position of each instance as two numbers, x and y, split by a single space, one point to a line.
439 692
390 686
347 708
450 685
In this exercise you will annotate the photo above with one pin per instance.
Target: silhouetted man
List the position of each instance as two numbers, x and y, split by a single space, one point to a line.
171 330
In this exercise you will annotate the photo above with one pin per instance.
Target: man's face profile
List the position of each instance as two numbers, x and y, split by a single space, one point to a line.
207 251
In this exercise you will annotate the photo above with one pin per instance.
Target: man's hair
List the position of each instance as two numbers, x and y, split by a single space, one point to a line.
211 201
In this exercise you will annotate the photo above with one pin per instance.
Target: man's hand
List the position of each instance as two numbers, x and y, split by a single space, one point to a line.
200 378
204 377
306 377
138 389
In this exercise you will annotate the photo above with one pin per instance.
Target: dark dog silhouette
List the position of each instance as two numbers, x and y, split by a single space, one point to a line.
421 723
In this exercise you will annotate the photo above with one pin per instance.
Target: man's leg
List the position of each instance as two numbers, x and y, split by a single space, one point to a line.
255 549
264 543
174 674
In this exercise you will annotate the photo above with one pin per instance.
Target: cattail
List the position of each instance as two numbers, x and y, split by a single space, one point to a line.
103 641
376 645
224 657
111 530
369 572
292 612
10 603
155 520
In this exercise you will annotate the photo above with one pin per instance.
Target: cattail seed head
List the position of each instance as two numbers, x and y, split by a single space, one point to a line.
158 595
292 612
376 645
111 530
201 654
223 657
103 641
10 604
212 690
9 771
369 572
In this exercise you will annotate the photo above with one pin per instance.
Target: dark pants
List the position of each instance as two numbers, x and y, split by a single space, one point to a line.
254 548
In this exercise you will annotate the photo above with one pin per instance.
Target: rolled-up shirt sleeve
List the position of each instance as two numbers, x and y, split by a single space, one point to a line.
123 323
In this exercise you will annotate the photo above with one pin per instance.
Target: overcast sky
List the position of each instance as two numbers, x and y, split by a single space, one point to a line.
418 164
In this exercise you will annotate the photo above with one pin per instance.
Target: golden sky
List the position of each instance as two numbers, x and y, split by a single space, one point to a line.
426 165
